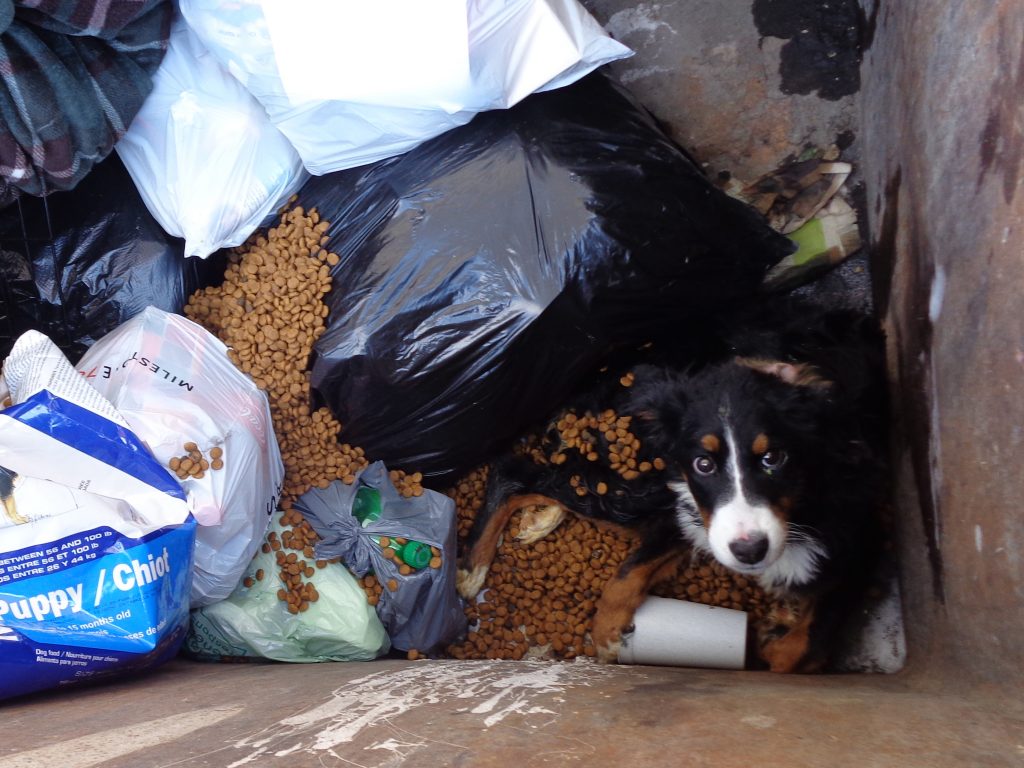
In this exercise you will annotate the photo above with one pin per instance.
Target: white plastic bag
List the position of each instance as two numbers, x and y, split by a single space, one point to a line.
174 384
203 153
96 539
333 86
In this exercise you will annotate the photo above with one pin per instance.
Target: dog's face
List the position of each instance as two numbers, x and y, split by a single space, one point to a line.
740 440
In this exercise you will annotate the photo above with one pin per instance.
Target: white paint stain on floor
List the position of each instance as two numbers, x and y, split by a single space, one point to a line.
371 707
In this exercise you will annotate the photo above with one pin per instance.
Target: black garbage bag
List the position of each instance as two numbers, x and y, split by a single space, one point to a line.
485 272
96 258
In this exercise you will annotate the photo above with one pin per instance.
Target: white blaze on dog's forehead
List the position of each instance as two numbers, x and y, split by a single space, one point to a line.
369 710
737 516
733 466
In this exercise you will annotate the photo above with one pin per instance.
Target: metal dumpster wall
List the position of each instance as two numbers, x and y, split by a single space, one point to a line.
943 142
937 137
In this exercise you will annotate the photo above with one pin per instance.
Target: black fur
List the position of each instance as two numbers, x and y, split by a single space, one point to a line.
811 380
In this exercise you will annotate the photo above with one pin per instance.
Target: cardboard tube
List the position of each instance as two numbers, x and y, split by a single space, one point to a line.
678 633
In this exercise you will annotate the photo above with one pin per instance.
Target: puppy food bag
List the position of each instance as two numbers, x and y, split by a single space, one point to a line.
96 539
204 420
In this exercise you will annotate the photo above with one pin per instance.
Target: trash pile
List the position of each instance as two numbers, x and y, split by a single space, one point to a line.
250 393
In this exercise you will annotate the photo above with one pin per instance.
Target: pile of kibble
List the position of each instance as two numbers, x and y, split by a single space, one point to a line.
269 311
603 436
538 599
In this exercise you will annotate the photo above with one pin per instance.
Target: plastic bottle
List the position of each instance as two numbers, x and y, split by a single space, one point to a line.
367 507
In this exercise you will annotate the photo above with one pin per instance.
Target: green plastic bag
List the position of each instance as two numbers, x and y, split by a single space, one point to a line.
252 622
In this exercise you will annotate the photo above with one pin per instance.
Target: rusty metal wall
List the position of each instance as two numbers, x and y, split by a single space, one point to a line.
743 84
934 123
943 143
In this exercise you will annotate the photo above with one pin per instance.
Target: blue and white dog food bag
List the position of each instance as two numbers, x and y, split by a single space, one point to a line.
96 537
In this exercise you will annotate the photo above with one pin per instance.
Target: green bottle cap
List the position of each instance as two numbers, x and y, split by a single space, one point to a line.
415 554
366 507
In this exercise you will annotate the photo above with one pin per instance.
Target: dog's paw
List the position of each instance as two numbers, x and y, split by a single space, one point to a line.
608 654
786 654
783 638
607 639
469 583
537 522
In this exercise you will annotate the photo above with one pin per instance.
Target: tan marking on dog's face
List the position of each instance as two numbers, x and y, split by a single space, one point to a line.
711 443
760 446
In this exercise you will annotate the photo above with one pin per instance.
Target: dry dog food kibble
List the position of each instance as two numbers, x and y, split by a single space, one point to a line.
192 464
407 485
600 436
269 311
468 495
539 598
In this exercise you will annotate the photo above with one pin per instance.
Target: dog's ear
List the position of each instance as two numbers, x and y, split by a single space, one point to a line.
658 402
797 374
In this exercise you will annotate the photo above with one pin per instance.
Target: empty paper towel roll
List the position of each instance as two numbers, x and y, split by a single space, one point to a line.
683 634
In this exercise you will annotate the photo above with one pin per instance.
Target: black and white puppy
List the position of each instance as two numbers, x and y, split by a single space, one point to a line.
766 453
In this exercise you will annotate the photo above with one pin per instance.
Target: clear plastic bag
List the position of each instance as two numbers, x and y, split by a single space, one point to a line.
340 625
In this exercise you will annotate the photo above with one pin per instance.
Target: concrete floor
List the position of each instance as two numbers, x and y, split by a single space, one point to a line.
451 713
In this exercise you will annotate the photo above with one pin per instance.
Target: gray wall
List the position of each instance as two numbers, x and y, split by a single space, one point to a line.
937 130
943 140
707 71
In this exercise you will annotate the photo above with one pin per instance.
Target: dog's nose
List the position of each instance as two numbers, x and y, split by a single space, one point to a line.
750 550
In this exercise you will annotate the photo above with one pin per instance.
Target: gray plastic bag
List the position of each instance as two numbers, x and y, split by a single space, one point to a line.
425 611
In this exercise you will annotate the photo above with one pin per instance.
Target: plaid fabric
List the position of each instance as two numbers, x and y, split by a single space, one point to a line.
72 76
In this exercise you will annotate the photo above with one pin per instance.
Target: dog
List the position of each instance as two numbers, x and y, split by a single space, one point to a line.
764 449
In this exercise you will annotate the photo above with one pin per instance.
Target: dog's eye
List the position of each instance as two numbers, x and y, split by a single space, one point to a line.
773 460
704 465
